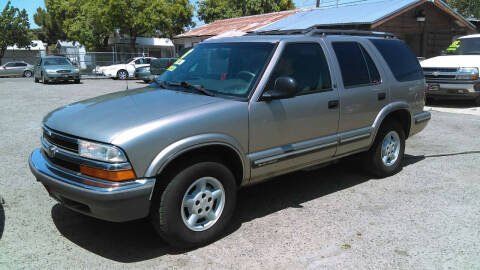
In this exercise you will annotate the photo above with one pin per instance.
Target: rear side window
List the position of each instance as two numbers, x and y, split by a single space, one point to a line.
356 65
20 64
401 60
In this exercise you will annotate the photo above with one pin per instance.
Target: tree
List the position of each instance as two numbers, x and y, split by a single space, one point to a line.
92 22
50 21
468 8
14 29
212 10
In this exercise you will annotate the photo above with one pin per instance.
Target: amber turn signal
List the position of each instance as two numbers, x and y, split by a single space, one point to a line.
108 175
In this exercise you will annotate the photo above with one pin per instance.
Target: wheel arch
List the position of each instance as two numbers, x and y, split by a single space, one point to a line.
398 111
216 145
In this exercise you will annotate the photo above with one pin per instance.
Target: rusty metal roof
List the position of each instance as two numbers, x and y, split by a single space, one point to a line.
244 24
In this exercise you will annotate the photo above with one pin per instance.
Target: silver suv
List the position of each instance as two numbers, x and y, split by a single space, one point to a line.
229 113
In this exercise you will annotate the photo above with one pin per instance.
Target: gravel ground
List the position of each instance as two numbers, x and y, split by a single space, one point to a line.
425 217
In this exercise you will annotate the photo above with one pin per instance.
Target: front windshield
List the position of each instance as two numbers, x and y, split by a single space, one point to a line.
221 68
57 62
464 46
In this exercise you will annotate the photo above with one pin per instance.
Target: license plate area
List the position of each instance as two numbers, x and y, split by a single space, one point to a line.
65 75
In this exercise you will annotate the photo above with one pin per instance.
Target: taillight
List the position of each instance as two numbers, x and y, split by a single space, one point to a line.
169 64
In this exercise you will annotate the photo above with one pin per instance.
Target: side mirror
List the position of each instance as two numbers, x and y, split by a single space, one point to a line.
285 87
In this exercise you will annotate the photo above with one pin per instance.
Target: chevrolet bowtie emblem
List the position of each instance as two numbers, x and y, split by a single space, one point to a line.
52 150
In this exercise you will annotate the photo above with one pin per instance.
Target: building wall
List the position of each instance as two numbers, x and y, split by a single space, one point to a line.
429 38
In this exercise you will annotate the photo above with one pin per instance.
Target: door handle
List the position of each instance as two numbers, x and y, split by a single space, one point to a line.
332 104
381 96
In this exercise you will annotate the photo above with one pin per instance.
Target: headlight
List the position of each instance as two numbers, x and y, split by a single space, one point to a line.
50 70
101 152
468 74
76 70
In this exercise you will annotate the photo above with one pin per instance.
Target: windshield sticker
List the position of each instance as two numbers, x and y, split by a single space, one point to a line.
179 62
454 46
172 68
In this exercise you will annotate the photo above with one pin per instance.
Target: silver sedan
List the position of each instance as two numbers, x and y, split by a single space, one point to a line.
19 68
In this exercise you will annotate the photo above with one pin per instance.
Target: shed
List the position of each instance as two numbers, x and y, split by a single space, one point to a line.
234 25
428 26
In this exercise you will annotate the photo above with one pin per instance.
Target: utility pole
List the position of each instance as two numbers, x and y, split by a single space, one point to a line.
318 4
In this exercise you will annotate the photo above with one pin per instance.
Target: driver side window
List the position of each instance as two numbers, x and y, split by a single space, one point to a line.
306 64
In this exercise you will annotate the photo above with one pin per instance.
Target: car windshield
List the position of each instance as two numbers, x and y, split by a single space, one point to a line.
221 68
56 62
464 46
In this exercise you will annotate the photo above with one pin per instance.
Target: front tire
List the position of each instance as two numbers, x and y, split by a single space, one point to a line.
386 155
477 101
196 205
44 81
77 81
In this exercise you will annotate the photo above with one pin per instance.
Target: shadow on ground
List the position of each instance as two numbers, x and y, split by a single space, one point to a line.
446 103
136 241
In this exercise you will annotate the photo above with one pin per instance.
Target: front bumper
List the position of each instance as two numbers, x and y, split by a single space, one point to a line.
454 90
128 201
62 76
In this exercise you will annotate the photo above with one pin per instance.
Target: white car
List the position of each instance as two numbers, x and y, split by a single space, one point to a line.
126 70
455 75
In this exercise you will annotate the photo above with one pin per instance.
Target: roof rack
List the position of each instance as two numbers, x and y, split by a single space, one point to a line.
324 32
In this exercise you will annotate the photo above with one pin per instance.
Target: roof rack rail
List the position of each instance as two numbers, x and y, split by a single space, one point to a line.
324 32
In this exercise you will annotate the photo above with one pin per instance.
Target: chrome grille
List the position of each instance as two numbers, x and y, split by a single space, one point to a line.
440 73
60 140
63 71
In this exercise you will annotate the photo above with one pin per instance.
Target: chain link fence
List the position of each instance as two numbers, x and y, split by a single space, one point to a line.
89 63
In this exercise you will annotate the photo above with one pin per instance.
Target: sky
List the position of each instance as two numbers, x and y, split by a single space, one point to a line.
31 6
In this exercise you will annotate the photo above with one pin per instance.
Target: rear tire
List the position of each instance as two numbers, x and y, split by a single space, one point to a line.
386 154
122 74
187 213
27 74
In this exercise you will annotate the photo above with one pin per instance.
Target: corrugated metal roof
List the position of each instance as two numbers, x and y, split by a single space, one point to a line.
368 13
243 24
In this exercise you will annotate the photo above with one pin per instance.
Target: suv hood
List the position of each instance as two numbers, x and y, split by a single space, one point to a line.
104 117
452 61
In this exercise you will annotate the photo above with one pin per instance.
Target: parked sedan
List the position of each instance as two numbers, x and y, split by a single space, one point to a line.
125 70
157 67
18 68
56 68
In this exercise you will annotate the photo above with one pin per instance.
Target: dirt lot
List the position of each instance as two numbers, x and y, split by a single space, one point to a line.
425 217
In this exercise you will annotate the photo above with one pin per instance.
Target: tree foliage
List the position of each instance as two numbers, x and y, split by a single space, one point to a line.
50 21
91 22
468 8
211 10
14 28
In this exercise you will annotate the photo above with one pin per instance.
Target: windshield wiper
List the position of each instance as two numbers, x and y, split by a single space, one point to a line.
164 84
195 87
